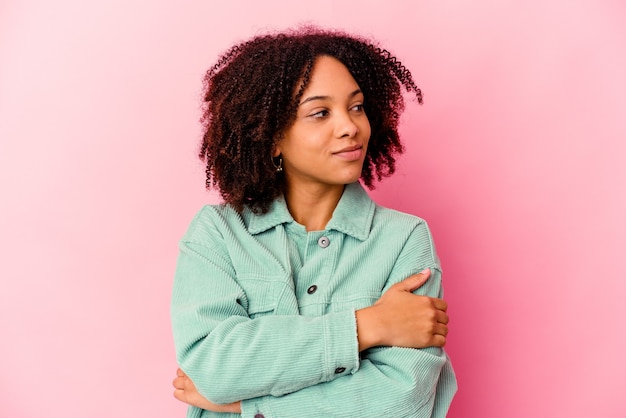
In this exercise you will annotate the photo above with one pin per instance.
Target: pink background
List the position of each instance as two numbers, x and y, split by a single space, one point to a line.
516 160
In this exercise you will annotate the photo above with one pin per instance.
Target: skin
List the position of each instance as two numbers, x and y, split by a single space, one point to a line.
324 148
322 151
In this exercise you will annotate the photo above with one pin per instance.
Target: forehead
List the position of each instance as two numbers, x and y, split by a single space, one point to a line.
330 75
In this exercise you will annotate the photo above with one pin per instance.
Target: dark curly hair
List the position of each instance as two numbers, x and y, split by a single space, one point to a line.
251 97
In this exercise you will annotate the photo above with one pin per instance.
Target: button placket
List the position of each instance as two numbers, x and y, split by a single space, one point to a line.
317 271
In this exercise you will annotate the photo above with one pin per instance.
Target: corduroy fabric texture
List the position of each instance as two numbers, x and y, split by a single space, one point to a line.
263 313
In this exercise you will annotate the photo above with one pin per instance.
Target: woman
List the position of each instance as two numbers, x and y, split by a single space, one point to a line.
299 296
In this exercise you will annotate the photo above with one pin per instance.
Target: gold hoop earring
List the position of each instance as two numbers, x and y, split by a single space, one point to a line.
279 166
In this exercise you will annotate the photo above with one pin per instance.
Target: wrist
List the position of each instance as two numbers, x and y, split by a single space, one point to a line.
368 328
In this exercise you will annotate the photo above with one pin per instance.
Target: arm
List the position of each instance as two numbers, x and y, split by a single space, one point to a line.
373 326
213 331
287 352
394 379
391 381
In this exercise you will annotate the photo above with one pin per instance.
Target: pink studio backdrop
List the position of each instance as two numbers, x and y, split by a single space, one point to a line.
516 160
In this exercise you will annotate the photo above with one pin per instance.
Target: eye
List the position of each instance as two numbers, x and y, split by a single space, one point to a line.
320 114
358 108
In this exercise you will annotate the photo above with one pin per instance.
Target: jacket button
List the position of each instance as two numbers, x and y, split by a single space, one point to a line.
340 370
311 289
323 242
259 416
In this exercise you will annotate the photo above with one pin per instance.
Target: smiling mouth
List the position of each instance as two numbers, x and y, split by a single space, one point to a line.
350 153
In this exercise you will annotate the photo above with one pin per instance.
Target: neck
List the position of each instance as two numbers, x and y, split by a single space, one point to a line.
313 206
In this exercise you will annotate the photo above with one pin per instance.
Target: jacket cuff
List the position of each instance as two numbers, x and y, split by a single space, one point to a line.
341 358
342 344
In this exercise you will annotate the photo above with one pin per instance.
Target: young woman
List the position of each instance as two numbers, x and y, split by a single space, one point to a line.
299 296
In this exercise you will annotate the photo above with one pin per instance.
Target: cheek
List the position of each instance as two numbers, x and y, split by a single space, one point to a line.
365 124
366 130
299 144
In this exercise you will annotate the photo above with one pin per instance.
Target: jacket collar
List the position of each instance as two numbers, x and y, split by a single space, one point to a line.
352 216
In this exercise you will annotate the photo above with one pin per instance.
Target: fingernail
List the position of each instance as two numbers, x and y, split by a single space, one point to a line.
426 270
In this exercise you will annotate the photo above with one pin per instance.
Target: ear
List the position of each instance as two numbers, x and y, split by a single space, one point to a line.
276 149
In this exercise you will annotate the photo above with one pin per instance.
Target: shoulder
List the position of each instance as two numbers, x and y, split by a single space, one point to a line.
409 231
214 221
390 218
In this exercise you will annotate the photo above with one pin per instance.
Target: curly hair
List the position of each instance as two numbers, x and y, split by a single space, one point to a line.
251 97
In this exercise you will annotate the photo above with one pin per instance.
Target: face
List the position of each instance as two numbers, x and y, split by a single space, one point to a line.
326 144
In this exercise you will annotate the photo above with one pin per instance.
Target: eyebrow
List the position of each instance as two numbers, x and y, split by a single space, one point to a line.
310 99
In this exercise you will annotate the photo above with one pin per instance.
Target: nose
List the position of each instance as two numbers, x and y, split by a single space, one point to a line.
346 126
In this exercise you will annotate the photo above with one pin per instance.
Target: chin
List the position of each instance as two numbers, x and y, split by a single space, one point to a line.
346 175
351 179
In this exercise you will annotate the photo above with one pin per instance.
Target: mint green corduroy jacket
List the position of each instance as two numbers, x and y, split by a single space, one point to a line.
264 313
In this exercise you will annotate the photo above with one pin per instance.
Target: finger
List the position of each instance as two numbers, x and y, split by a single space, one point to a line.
438 340
180 372
178 383
440 304
442 317
183 383
440 329
415 281
180 395
188 384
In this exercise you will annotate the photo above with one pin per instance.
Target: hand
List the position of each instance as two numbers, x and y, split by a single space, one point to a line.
186 392
400 318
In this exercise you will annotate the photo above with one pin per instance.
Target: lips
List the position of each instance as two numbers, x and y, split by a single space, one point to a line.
351 153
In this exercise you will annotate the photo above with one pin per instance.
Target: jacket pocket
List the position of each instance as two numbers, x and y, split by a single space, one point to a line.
262 295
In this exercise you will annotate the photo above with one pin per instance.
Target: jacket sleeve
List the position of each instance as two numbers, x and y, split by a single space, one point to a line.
230 356
391 381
